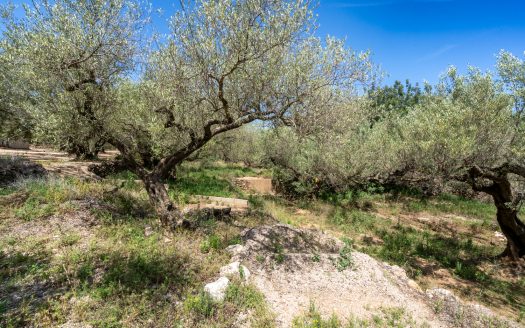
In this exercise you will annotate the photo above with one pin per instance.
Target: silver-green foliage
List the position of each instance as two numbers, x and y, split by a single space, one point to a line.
228 63
73 54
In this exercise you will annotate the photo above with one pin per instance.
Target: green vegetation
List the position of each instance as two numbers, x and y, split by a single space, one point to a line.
386 318
208 181
206 312
112 274
422 235
396 171
452 204
344 261
117 270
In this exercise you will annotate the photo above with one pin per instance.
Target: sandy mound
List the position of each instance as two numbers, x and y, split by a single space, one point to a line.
294 267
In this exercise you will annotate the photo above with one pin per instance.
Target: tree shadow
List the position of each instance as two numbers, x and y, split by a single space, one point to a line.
33 284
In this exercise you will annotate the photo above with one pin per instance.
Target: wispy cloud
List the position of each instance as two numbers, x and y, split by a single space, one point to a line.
377 3
437 53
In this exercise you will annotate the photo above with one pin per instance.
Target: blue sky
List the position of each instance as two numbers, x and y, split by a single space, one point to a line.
416 39
419 39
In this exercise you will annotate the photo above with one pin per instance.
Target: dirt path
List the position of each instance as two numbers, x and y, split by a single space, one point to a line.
57 163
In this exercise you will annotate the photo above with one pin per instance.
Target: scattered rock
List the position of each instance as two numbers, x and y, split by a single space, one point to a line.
235 269
217 289
232 205
196 214
500 236
234 250
148 231
287 239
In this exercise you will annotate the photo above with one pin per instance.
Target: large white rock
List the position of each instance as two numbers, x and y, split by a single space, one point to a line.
235 269
217 289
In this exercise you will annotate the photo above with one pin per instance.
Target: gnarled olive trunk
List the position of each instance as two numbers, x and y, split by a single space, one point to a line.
495 182
512 228
84 149
168 213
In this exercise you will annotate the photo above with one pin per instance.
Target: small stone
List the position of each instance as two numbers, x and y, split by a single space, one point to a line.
234 250
235 269
217 289
500 236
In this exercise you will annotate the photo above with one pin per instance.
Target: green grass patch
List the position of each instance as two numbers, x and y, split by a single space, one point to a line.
240 298
354 220
4 191
201 183
451 204
395 317
209 180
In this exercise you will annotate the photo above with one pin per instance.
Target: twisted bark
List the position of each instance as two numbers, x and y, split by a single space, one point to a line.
495 182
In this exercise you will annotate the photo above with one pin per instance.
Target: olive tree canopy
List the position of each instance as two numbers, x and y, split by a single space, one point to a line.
75 53
224 64
470 131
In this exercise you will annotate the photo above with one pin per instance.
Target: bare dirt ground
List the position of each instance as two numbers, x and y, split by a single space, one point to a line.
295 268
57 163
258 185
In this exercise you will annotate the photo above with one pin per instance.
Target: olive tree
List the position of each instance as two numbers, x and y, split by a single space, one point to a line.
226 63
15 121
512 72
244 145
469 131
327 152
76 52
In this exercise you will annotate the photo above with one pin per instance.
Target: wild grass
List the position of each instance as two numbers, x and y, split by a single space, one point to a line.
240 298
461 246
120 276
384 318
126 270
451 204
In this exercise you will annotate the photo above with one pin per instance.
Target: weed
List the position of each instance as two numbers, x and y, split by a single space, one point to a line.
244 296
355 220
212 242
386 317
313 319
69 240
200 305
278 251
256 202
345 261
438 306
